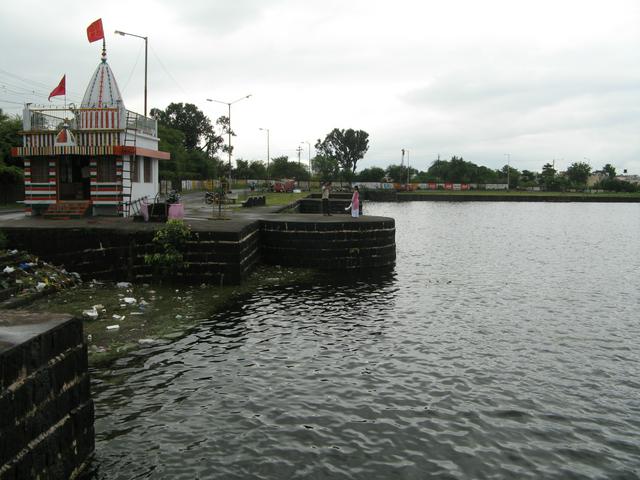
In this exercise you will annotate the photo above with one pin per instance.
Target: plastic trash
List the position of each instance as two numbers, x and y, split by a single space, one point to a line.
123 285
117 317
129 300
113 327
9 270
40 286
91 314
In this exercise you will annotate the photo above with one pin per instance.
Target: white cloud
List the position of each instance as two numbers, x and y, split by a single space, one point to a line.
539 80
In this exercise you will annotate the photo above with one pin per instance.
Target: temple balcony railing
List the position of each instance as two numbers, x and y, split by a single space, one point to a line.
51 120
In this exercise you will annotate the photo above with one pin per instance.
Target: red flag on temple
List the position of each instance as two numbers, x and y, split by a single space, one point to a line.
60 89
95 31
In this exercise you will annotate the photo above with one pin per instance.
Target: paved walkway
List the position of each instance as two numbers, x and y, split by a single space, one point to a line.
199 215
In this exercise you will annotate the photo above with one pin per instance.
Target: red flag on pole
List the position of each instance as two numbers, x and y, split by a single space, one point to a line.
95 31
60 89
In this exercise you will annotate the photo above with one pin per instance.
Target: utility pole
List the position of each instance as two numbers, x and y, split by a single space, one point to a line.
299 150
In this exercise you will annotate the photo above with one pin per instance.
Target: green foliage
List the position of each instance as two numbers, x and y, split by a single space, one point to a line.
4 241
184 164
345 146
257 169
578 172
9 137
193 142
327 168
195 126
613 185
458 170
10 174
281 167
254 169
400 173
609 170
373 174
170 241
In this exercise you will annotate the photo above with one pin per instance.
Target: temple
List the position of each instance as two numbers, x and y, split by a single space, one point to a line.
95 159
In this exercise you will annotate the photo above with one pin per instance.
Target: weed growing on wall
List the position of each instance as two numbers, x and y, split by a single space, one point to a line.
170 241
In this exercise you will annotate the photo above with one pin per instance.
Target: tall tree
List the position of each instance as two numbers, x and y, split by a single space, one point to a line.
398 173
345 146
372 174
198 132
609 170
9 137
578 172
327 168
281 167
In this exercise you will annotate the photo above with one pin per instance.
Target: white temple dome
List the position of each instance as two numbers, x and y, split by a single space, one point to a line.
102 91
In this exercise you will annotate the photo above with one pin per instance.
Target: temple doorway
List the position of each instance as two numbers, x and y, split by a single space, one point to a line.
74 178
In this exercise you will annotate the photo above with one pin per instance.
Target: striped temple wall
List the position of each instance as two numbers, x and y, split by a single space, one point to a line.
106 193
45 141
39 193
103 118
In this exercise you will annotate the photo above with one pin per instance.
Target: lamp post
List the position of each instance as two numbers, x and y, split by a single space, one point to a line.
508 155
229 105
146 45
267 130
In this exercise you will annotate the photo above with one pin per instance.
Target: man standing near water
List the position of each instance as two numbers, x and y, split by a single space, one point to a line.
326 187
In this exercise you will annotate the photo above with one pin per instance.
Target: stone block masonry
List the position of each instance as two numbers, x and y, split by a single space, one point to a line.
338 244
223 252
46 413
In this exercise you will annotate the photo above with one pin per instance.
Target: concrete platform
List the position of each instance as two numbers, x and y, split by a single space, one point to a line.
221 251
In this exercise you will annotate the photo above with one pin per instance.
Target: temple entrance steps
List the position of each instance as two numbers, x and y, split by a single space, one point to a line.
67 210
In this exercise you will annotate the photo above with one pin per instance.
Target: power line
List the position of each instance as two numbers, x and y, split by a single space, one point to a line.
167 71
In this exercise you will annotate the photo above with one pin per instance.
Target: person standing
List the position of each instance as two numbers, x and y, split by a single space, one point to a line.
355 203
326 188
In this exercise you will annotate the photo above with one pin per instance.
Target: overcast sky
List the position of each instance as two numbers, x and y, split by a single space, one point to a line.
539 80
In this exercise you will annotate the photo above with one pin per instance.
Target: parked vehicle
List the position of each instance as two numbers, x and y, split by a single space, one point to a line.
284 185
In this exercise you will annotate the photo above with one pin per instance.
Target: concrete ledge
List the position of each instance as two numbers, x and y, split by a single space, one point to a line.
219 252
45 404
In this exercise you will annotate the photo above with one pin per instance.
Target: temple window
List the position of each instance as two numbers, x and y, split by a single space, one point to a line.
147 170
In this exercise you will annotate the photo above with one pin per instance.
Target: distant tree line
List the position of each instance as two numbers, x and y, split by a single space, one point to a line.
198 151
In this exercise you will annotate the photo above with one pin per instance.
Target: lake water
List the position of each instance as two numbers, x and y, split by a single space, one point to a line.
506 344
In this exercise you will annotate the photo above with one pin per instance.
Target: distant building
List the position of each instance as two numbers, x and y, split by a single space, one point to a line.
99 156
629 178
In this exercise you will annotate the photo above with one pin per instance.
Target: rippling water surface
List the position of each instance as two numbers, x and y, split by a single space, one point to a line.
504 345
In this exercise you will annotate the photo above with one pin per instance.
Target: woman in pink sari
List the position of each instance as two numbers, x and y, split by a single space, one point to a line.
355 203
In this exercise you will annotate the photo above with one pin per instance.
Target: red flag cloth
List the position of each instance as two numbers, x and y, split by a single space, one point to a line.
60 89
95 31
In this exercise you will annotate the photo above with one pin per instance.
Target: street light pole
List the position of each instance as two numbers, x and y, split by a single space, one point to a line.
309 159
146 49
229 105
268 155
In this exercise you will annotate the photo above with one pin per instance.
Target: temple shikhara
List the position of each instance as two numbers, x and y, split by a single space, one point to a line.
97 158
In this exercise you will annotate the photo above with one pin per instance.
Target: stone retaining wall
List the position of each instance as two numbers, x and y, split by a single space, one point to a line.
335 245
116 255
46 413
224 255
